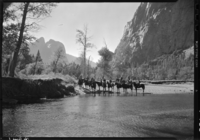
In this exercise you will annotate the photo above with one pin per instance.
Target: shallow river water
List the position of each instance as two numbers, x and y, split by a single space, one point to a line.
102 116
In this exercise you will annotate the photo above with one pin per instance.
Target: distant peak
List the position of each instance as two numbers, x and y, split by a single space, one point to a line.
41 39
51 40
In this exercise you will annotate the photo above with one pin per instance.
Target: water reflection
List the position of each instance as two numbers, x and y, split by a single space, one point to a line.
84 115
40 118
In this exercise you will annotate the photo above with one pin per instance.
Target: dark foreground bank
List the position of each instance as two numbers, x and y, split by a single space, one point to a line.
15 90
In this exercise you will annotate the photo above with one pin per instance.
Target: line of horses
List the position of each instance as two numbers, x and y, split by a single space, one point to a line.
108 85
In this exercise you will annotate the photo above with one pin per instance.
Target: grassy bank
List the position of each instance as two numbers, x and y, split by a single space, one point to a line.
32 88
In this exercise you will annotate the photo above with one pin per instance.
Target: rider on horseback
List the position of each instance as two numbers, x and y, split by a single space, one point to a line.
103 79
139 81
121 79
129 80
80 81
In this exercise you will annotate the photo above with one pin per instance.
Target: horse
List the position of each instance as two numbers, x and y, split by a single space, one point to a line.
118 85
90 83
123 84
93 85
87 83
110 85
127 85
138 85
99 83
80 82
104 85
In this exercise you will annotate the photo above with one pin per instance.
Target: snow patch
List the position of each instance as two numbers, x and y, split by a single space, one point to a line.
134 49
147 8
49 45
142 33
188 52
156 14
132 44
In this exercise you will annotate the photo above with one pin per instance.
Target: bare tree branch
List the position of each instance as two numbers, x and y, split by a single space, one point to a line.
83 39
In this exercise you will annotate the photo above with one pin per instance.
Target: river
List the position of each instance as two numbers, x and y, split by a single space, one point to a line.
102 116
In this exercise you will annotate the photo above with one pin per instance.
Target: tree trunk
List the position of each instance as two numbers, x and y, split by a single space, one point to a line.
35 65
14 61
55 67
104 67
84 64
88 66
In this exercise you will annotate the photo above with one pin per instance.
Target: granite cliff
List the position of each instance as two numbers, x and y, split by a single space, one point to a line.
156 29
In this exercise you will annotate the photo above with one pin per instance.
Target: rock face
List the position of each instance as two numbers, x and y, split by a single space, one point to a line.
157 29
47 50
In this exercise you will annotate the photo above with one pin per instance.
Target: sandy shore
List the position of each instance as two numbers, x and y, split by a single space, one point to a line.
169 88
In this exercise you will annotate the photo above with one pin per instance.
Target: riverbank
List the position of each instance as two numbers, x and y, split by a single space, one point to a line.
174 88
30 90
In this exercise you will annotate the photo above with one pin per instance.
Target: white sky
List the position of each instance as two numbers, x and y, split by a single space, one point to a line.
104 20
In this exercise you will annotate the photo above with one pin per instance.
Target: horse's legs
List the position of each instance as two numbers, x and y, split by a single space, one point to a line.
143 91
99 91
136 91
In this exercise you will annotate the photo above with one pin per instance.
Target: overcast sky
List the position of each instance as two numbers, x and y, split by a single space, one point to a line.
104 20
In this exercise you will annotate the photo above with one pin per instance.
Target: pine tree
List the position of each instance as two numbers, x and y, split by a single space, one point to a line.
38 59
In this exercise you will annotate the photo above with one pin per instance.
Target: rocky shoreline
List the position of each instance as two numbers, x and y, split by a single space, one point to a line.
15 90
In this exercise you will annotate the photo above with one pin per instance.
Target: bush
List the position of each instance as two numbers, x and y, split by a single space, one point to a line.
30 68
185 73
171 74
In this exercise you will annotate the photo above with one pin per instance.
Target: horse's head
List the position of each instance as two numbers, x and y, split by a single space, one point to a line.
134 83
